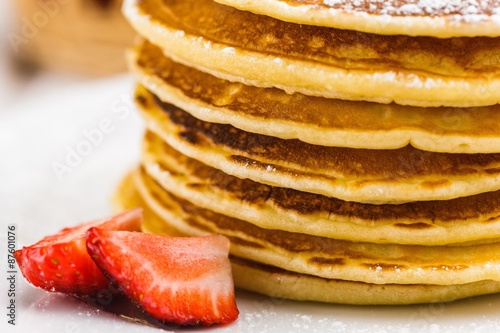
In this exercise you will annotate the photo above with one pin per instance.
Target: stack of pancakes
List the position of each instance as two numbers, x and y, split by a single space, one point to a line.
346 163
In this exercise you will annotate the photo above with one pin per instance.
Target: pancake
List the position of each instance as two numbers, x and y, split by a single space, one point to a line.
277 282
372 176
442 19
468 219
259 50
327 257
315 120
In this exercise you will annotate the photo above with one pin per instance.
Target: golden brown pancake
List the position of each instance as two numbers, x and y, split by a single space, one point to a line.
468 219
281 283
277 282
315 120
262 51
327 257
442 19
374 176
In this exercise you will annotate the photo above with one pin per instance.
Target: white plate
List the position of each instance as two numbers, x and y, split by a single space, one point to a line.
50 119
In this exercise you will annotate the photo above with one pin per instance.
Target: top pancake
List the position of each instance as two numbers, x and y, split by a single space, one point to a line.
262 51
442 19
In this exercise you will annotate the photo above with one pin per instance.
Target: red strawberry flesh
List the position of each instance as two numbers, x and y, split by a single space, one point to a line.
181 280
60 262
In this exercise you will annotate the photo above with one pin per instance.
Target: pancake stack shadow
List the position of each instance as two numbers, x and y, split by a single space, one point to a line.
355 166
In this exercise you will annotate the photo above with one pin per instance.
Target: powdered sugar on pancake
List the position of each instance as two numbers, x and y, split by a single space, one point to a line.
433 18
457 10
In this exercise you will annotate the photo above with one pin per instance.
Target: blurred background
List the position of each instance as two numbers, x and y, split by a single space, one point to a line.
68 128
81 36
71 39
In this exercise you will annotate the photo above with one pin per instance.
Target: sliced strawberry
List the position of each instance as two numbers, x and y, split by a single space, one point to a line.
181 280
60 262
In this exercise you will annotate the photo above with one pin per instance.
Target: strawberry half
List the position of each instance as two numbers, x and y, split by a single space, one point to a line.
60 263
181 280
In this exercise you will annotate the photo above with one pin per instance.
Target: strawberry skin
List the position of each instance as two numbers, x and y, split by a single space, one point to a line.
60 262
181 280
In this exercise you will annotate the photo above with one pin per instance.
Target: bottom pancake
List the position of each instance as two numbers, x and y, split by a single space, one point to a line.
280 283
